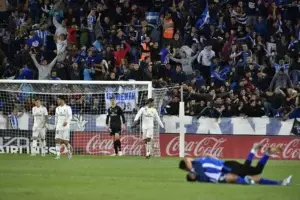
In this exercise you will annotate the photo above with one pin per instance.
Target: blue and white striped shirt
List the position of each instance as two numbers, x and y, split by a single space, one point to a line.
42 36
286 67
211 168
91 20
13 120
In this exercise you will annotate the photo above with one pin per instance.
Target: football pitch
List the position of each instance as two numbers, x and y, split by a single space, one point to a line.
127 178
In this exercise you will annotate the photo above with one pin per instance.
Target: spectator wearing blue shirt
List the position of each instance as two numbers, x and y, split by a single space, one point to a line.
178 76
54 76
88 72
261 26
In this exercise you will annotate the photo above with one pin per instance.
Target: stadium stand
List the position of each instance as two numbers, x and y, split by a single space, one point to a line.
238 58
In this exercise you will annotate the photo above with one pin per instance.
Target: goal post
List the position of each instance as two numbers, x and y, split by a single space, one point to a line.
89 103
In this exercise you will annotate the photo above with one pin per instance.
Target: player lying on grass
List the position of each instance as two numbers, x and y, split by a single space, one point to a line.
148 114
210 169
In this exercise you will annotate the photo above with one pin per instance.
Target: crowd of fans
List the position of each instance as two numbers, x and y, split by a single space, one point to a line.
245 61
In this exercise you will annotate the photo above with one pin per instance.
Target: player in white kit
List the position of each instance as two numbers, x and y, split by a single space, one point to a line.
40 115
148 114
63 117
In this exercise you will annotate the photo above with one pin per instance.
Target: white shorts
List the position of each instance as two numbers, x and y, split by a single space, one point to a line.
148 133
39 133
62 134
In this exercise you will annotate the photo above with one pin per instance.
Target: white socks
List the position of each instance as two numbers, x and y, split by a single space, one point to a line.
33 148
57 150
42 146
69 147
148 148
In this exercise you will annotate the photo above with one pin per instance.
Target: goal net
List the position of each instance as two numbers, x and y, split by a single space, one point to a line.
89 101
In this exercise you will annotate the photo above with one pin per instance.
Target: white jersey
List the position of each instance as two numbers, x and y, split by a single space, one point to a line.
3 122
148 116
63 114
39 116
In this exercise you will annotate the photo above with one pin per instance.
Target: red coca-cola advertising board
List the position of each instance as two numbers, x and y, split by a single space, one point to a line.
102 144
222 146
230 146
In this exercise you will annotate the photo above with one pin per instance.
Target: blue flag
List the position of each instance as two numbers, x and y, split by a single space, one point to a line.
204 18
152 17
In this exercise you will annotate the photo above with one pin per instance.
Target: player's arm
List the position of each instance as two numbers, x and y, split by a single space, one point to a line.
56 118
139 114
107 119
33 111
121 113
45 116
158 118
69 116
188 164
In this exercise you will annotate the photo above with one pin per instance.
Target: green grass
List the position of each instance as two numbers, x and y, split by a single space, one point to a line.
127 178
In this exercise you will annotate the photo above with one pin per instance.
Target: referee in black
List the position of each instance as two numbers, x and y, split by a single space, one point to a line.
115 123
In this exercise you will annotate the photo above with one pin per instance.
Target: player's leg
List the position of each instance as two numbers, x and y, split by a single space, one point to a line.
264 181
118 143
262 161
35 135
255 148
226 178
145 140
43 141
149 137
113 135
235 179
148 148
66 141
234 167
58 142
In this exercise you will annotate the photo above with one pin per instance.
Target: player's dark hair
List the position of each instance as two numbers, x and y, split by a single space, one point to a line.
182 165
190 178
62 97
150 100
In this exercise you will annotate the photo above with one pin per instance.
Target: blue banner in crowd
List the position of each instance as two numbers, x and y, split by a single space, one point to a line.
204 18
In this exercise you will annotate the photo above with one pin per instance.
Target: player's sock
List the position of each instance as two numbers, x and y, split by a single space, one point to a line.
250 157
57 150
116 147
42 145
69 147
34 145
264 181
149 147
119 145
241 181
264 159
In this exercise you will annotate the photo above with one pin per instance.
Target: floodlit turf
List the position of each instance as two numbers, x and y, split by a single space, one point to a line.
127 178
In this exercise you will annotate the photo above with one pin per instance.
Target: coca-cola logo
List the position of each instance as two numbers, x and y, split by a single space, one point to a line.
207 145
290 149
131 145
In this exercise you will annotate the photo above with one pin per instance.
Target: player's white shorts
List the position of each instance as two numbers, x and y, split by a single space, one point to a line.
62 134
39 133
148 133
